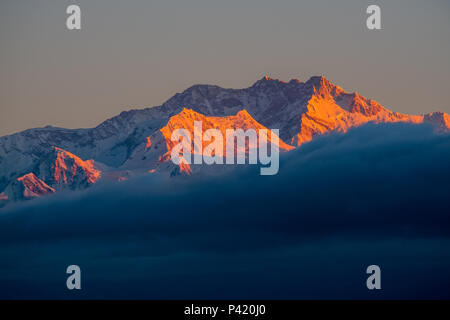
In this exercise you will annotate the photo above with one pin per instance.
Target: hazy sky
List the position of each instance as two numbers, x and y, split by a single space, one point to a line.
138 53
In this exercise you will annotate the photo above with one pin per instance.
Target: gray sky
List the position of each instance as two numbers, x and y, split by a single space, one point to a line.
138 53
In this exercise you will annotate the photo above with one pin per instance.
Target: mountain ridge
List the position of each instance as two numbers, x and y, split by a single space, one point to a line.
300 110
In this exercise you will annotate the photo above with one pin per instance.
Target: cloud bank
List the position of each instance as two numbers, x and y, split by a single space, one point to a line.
376 195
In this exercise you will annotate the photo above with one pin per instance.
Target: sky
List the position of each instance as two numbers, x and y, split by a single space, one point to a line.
138 53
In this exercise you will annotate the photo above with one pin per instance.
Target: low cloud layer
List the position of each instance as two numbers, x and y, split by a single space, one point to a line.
376 195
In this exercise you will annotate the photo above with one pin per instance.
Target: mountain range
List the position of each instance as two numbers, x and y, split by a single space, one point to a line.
43 161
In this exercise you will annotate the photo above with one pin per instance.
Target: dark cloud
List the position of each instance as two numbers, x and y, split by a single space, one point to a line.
378 194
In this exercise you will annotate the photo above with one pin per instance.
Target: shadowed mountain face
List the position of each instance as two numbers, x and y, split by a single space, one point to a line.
138 141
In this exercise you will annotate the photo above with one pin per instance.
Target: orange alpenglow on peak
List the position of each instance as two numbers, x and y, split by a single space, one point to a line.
67 164
331 109
34 187
186 118
149 143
